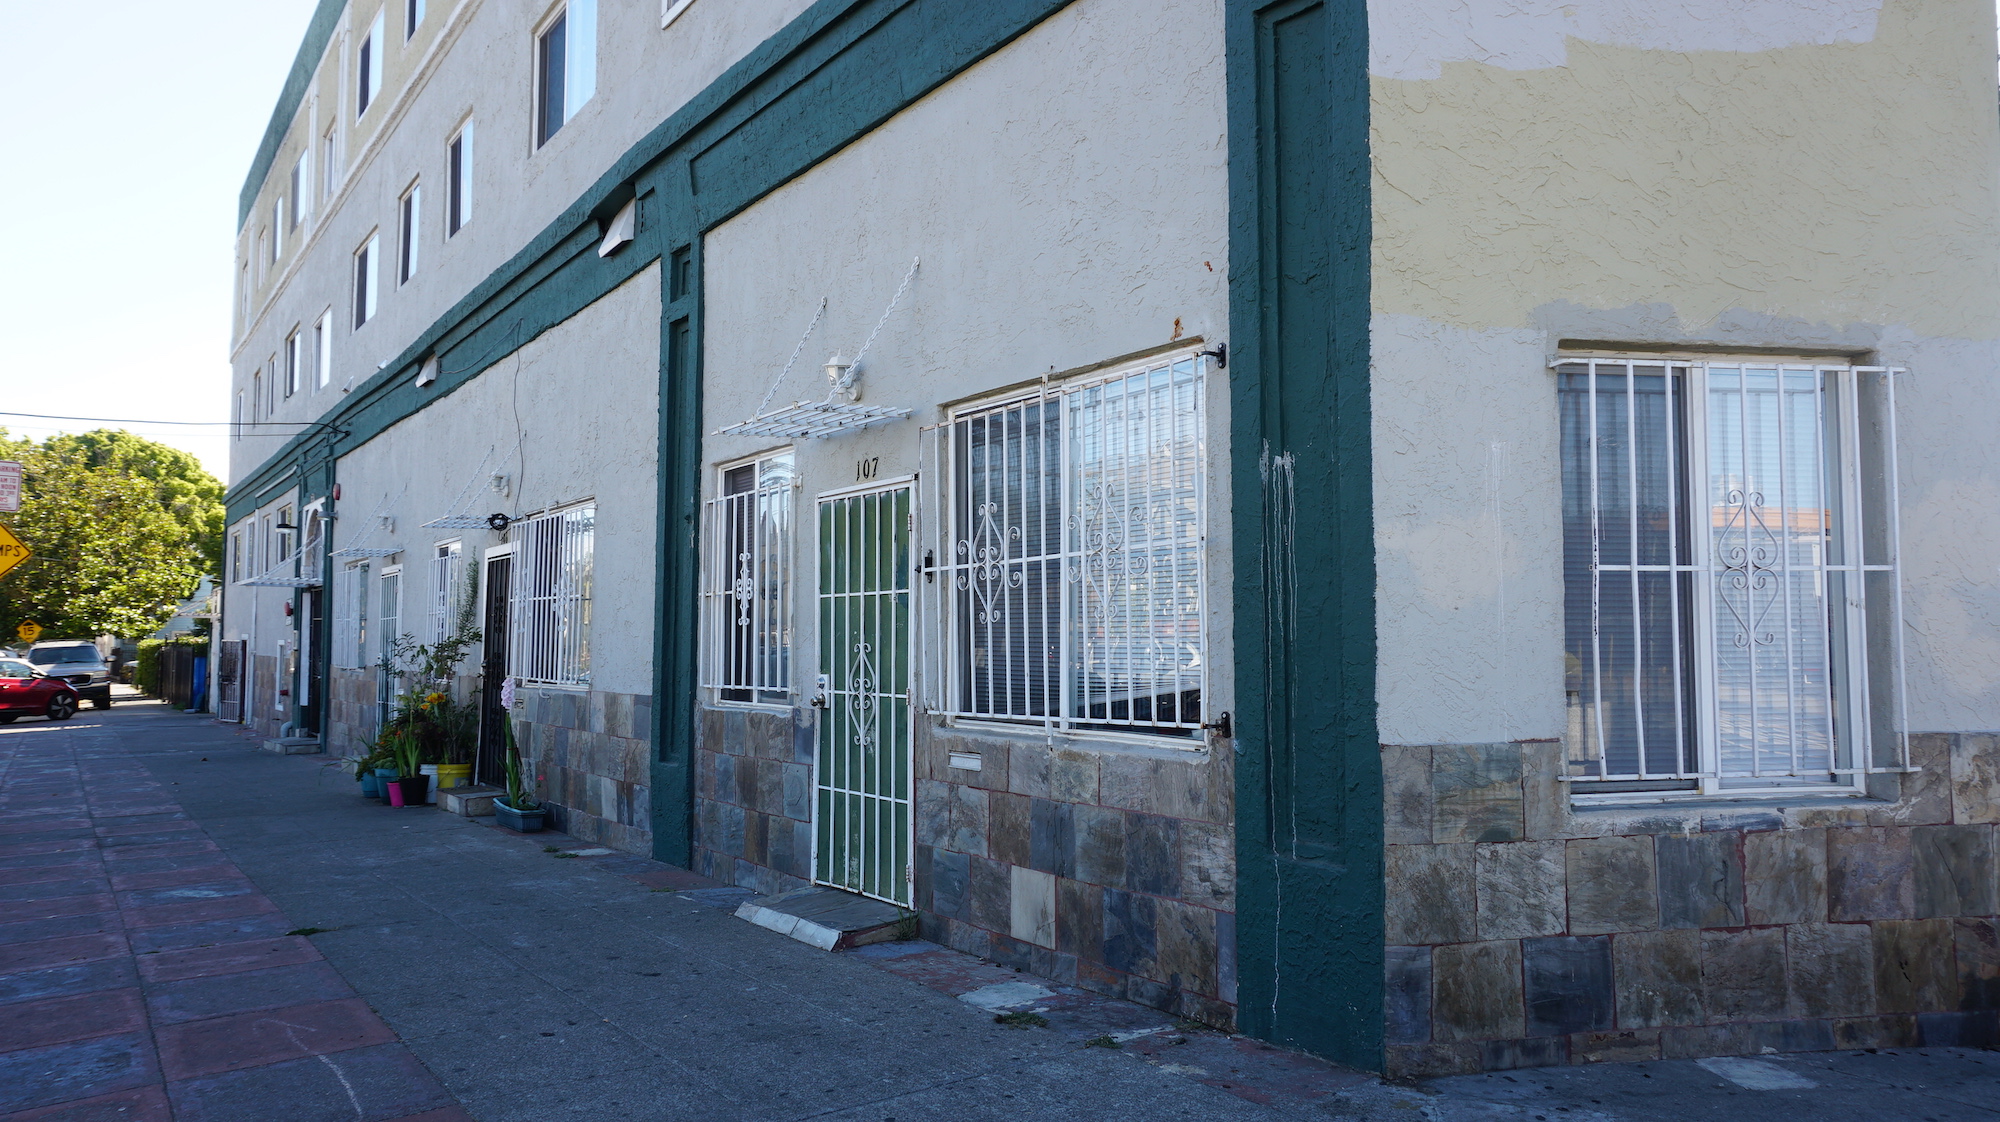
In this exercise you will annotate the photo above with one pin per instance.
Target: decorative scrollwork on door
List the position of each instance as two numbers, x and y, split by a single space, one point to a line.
1746 572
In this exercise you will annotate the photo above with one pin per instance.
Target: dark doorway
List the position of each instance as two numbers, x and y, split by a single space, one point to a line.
492 769
229 679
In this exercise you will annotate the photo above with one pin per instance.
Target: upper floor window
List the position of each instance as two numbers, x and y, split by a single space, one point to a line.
323 350
236 426
293 358
277 229
299 184
458 181
565 67
413 17
748 581
366 260
1729 575
1070 570
368 68
235 556
329 163
410 210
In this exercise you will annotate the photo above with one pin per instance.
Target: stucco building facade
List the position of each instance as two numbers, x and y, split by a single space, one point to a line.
1441 534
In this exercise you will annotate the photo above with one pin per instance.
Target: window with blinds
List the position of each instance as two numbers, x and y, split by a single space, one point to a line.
747 582
1067 572
549 606
1731 605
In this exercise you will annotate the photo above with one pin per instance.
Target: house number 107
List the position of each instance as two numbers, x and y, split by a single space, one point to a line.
866 469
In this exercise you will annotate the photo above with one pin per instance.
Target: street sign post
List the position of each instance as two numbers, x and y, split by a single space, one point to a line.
29 631
10 486
12 552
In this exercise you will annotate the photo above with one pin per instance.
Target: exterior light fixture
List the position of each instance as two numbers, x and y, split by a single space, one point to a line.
840 375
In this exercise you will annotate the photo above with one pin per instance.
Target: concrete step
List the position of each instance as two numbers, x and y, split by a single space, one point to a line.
293 746
472 802
829 918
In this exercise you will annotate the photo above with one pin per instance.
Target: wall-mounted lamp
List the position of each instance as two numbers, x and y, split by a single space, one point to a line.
501 484
428 372
840 374
388 523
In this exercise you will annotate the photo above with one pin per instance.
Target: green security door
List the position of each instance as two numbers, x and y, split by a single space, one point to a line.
862 831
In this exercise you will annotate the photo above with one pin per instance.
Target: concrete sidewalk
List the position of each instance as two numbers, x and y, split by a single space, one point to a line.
481 973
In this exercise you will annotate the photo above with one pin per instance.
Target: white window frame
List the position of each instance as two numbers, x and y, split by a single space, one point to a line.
293 358
350 616
670 10
446 560
458 180
329 158
236 556
368 69
1714 578
277 230
409 222
281 540
549 603
301 184
977 572
749 552
413 18
579 21
367 271
323 348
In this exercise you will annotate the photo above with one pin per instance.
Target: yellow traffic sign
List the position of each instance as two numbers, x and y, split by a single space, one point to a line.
29 631
12 552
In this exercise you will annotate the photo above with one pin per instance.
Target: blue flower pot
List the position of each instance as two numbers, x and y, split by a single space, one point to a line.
371 785
524 821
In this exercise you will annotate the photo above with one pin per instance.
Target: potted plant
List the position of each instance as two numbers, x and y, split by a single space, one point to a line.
518 810
444 729
373 769
410 785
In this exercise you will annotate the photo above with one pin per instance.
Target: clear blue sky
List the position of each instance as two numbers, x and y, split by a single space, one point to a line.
133 127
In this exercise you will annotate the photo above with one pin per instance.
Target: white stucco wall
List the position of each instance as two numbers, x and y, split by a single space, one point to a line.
572 415
469 61
1802 174
1068 199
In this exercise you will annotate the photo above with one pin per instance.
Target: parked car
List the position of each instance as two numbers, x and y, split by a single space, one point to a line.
77 663
28 692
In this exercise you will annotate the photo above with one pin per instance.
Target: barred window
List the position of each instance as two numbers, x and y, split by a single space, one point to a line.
1731 603
747 579
350 616
444 588
1068 573
550 601
389 612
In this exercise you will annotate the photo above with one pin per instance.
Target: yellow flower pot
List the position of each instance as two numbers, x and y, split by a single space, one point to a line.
453 775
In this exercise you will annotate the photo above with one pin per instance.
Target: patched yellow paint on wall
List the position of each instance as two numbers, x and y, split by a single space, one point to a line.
1835 184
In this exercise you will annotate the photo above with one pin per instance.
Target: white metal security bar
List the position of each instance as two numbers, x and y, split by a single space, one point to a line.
1732 606
746 583
550 609
444 588
350 616
1067 572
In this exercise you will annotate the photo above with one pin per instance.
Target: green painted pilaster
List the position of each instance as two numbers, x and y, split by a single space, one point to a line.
1308 769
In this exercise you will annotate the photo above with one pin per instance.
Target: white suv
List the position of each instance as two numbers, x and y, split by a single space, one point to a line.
77 663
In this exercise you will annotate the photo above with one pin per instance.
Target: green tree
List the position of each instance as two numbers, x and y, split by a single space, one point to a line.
121 529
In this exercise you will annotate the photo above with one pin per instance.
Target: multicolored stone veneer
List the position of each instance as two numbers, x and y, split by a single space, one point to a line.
1523 932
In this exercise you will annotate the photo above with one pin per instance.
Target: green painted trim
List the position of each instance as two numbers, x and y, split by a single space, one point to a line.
1309 774
319 32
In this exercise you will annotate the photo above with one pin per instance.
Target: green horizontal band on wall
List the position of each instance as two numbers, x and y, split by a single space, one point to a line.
1308 770
838 70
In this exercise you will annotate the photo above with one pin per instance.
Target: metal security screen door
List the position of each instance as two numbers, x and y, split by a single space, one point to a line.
862 831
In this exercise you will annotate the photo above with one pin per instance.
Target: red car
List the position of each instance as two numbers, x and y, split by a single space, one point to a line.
27 692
